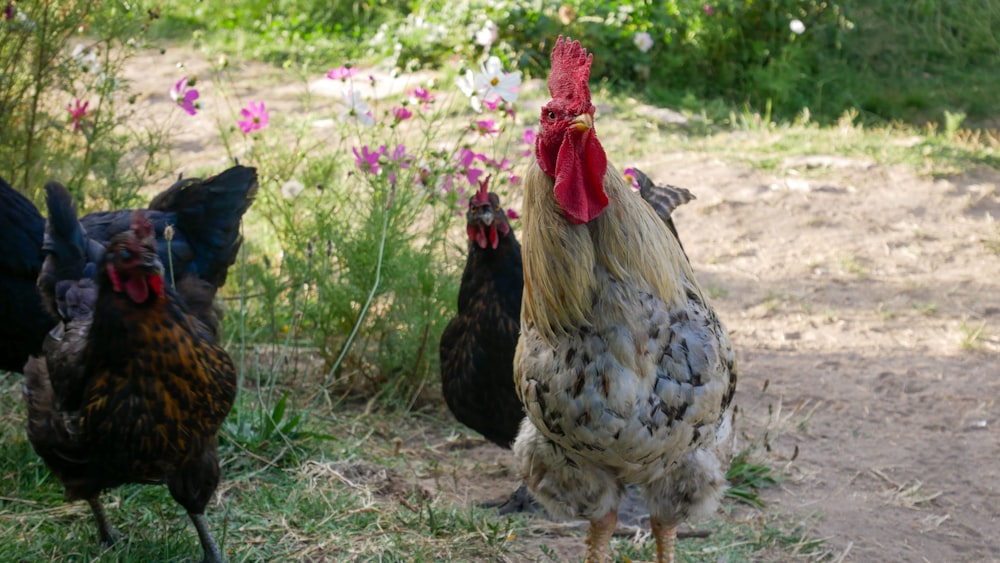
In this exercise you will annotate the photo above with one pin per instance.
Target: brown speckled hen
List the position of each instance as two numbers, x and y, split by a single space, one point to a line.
132 387
626 374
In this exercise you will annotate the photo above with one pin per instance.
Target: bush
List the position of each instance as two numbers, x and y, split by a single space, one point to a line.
64 112
359 213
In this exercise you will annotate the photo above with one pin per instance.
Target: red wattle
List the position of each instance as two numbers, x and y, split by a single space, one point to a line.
137 289
579 188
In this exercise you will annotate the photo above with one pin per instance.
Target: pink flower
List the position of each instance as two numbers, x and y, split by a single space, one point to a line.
486 127
184 96
511 214
77 113
493 104
708 10
342 73
367 160
419 94
466 157
631 178
255 117
401 113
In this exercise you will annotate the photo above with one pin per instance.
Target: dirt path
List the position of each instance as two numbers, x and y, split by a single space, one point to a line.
866 311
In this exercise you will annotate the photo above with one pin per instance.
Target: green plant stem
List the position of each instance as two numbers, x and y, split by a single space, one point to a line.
371 294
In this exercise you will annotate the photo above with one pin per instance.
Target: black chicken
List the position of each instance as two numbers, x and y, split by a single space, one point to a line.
205 215
132 387
477 347
24 320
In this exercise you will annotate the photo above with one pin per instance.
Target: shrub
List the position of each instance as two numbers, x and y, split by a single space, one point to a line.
64 112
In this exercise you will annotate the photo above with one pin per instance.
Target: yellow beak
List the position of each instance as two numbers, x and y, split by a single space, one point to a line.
583 122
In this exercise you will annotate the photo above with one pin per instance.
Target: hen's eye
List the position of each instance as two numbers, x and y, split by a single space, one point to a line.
552 115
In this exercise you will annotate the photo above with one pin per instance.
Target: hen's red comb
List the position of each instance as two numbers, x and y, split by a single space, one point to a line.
482 196
141 225
570 71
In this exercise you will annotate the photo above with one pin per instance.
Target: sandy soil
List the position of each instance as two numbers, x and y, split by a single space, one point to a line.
865 307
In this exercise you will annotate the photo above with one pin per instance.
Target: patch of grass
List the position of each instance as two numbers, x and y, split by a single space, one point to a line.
972 335
747 478
854 266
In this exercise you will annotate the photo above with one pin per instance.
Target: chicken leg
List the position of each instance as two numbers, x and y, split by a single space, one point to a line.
599 538
109 535
208 545
666 538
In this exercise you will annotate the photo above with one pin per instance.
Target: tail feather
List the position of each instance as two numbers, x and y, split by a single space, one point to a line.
66 246
663 199
21 229
209 213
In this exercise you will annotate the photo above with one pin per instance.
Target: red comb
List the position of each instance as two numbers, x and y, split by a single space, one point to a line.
141 225
570 71
482 197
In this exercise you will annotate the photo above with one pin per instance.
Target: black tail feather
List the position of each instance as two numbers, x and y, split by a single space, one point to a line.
209 213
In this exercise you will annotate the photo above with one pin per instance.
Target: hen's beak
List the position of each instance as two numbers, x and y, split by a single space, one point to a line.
486 217
582 122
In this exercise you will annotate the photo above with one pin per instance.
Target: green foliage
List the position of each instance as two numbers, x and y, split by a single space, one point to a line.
286 31
49 68
358 261
746 479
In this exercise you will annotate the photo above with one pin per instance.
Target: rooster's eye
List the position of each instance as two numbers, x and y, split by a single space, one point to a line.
552 115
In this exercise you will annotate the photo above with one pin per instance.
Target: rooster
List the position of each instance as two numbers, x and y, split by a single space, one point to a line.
625 372
477 347
132 386
205 215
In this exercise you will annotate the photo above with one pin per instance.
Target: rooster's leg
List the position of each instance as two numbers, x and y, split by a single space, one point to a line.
666 537
212 552
599 538
520 501
109 535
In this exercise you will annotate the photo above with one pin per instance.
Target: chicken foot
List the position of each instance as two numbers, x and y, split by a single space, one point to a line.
109 535
519 502
666 538
599 538
208 545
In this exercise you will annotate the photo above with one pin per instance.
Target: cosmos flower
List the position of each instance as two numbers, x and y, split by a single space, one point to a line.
356 109
490 84
78 112
341 73
401 113
631 178
421 96
643 41
709 11
487 34
184 95
255 117
797 27
367 160
486 127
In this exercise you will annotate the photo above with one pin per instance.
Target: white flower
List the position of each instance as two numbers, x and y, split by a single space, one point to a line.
86 58
487 35
797 27
357 109
643 41
490 84
291 189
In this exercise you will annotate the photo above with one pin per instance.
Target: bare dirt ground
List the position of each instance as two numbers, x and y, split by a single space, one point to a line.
864 302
